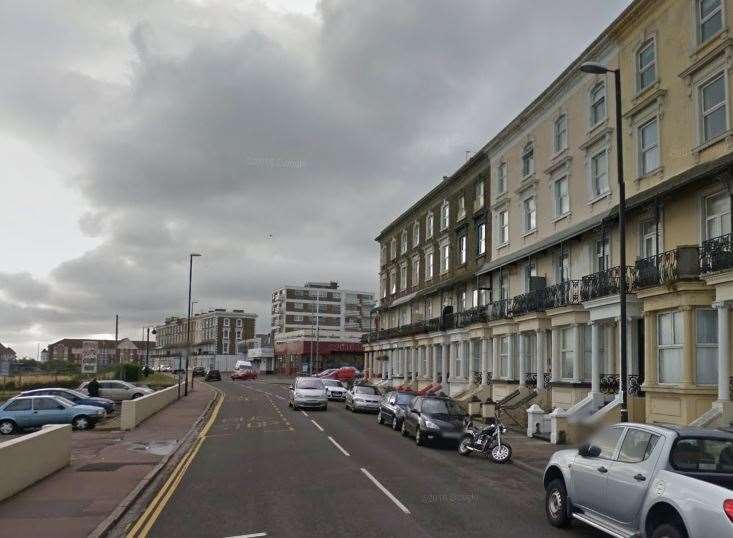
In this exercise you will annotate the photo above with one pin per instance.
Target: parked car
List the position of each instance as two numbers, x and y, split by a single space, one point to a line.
74 396
433 418
362 398
393 406
165 368
198 371
345 373
24 412
213 375
644 480
118 390
335 390
244 373
324 373
308 392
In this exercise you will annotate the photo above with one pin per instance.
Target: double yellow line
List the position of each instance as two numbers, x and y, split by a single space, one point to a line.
150 516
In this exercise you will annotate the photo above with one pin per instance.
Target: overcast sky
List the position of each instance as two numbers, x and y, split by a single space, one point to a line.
276 137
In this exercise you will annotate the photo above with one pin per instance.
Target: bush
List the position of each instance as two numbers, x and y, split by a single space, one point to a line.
128 372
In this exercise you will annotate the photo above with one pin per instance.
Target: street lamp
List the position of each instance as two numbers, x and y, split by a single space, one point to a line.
599 69
188 324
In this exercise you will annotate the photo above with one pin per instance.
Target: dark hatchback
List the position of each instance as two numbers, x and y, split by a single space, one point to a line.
393 406
213 375
432 418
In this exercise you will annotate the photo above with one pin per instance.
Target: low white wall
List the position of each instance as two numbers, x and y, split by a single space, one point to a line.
27 459
135 411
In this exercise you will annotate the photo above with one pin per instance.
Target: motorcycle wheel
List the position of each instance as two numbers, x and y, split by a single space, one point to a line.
463 445
501 453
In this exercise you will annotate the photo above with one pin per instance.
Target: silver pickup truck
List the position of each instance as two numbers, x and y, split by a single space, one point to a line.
639 480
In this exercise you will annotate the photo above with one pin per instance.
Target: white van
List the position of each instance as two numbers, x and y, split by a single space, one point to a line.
244 365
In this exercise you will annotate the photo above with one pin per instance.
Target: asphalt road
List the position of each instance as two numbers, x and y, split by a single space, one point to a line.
265 468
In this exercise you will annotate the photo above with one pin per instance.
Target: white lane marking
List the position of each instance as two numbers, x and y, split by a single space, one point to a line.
316 424
278 396
385 491
338 446
255 535
306 414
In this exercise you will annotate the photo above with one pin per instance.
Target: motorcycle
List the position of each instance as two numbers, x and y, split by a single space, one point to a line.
486 440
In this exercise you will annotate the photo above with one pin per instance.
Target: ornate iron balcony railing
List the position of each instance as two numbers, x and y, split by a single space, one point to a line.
678 264
498 310
533 301
609 383
716 254
530 379
562 294
470 316
605 283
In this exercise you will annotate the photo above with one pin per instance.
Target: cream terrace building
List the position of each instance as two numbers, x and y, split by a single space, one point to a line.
548 334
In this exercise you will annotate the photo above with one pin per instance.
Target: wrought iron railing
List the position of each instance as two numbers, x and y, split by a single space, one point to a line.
533 301
633 385
605 283
677 264
609 383
547 378
562 294
476 378
716 254
470 316
530 379
498 310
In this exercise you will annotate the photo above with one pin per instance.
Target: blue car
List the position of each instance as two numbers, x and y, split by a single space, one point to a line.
74 396
35 411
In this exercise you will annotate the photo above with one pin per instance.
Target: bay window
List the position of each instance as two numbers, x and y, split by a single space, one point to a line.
707 346
567 354
669 347
504 358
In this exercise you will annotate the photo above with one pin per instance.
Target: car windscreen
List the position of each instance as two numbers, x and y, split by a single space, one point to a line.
313 384
441 407
404 399
365 390
705 455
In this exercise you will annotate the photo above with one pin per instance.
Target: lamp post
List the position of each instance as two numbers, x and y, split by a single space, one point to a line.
188 323
598 69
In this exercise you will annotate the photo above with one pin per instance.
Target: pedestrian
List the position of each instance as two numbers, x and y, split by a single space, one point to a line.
93 388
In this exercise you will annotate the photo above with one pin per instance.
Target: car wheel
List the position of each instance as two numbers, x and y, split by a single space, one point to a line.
668 530
501 453
419 441
395 424
80 423
556 502
136 395
463 449
404 429
380 419
7 427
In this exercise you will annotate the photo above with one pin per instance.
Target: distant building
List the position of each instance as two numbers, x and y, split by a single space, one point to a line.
7 353
260 350
108 351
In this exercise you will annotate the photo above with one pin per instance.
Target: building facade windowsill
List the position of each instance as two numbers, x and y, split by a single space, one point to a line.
530 232
599 197
502 245
713 141
563 216
658 171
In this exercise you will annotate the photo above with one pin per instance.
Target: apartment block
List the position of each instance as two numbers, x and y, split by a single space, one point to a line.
535 319
108 351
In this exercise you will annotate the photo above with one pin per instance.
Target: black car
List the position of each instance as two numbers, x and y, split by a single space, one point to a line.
393 406
432 418
198 371
213 375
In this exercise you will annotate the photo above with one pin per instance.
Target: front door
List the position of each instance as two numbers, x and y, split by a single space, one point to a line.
590 474
631 475
47 410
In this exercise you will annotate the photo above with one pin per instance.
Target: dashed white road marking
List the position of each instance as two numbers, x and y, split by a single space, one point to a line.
255 535
306 414
338 446
385 491
316 424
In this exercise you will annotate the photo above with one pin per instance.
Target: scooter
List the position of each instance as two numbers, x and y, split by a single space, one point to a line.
485 440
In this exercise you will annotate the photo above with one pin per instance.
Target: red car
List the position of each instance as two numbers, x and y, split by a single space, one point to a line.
243 374
346 373
325 373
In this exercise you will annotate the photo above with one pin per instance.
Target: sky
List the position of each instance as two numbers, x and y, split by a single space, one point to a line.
275 137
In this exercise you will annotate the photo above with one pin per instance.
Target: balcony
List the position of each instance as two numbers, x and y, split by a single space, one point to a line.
716 254
682 263
499 310
605 283
533 301
563 294
470 316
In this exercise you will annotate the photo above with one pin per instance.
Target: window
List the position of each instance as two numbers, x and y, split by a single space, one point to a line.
239 335
607 441
646 65
416 234
429 226
503 226
717 215
46 404
383 286
530 270
415 272
225 333
428 309
462 300
478 195
403 242
239 323
19 405
597 104
393 248
669 344
707 346
710 18
504 287
403 277
383 253
648 239
588 350
528 160
226 347
444 258
567 355
226 322
501 179
560 133
462 244
481 238
599 173
529 358
602 255
393 281
504 358
530 214
444 215
648 147
461 207
429 265
714 112
702 455
562 197
562 268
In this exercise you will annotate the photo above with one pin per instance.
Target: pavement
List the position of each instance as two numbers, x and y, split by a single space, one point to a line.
262 469
106 467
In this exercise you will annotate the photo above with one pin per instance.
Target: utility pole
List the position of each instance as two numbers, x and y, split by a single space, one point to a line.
318 311
188 322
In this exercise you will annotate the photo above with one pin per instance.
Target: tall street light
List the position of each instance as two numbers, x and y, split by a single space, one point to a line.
599 69
188 324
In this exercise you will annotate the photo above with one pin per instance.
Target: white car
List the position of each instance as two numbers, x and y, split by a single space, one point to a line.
118 390
308 392
165 368
335 390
